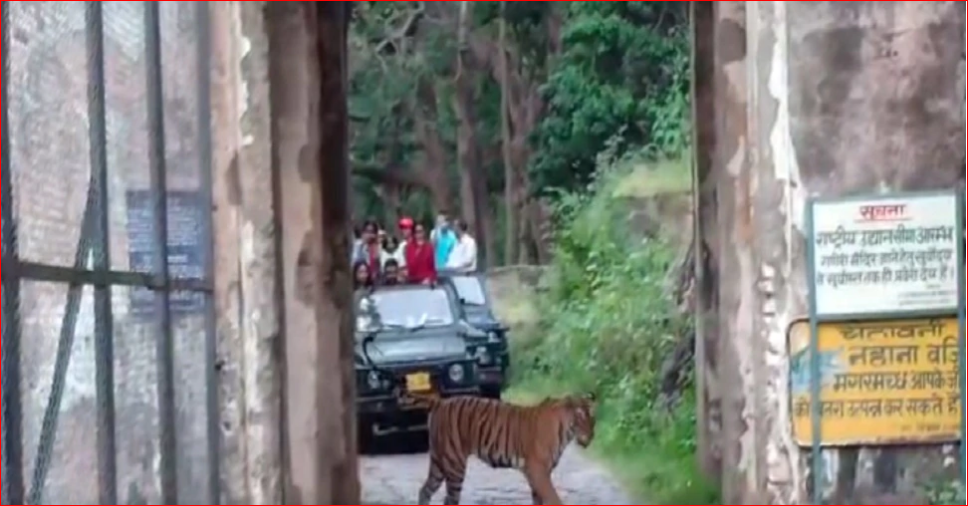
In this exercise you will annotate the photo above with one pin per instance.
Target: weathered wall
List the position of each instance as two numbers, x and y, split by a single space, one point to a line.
835 98
840 128
294 155
308 76
246 288
49 157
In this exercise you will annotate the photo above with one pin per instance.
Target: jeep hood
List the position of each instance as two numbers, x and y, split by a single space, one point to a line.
415 347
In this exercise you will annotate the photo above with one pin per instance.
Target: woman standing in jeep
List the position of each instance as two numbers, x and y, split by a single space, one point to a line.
419 254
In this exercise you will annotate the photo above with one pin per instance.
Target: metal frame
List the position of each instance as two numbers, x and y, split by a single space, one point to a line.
11 404
16 268
816 449
159 196
103 314
204 107
92 267
961 318
816 415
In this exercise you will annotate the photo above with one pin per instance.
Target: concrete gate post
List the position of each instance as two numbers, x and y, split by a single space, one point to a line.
725 275
736 237
248 316
308 79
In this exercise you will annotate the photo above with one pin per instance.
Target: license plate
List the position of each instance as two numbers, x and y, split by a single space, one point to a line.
418 382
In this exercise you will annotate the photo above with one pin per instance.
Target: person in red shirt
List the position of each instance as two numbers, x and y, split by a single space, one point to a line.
419 252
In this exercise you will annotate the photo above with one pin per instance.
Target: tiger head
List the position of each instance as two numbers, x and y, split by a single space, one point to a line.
582 411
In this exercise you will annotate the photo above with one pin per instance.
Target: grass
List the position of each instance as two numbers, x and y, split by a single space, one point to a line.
650 179
605 324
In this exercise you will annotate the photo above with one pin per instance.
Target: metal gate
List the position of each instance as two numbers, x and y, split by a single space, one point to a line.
109 392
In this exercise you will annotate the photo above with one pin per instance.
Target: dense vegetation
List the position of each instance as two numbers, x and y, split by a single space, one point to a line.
609 325
489 109
522 117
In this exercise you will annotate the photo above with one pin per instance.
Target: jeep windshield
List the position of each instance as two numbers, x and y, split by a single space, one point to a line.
406 310
470 289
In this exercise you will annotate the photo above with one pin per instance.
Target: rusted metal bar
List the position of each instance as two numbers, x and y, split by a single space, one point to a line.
203 20
80 276
159 197
12 408
961 338
107 460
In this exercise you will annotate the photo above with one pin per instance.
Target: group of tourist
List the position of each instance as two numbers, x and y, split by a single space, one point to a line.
380 258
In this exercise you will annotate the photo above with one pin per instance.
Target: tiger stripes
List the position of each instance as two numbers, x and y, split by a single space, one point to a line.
530 439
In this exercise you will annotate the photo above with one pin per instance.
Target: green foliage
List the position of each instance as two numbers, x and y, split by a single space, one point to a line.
606 327
946 493
618 68
625 68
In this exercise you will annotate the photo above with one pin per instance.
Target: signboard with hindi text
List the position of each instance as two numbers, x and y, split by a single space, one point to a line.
885 256
882 382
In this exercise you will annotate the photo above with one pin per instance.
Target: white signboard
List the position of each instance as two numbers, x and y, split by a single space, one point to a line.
883 256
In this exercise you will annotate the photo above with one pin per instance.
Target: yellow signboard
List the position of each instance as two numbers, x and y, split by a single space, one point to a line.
889 382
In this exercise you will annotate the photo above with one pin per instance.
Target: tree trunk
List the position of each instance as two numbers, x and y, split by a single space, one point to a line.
435 154
473 186
510 177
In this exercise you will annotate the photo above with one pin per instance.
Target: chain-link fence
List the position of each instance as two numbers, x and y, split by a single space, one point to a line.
108 347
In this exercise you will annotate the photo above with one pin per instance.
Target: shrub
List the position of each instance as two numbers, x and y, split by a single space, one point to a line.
607 324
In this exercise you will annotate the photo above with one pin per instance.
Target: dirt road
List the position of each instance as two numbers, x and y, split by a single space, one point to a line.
395 479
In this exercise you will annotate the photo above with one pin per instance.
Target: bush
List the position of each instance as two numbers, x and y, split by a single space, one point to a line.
946 493
607 324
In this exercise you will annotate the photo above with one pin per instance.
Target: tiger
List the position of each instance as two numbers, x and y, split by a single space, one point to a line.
530 439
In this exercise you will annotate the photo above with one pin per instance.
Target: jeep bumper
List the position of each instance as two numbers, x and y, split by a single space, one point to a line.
383 415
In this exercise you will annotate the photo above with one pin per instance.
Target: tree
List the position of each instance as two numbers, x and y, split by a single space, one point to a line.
502 103
623 72
474 194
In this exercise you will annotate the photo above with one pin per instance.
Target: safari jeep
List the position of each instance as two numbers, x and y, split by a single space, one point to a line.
414 334
489 345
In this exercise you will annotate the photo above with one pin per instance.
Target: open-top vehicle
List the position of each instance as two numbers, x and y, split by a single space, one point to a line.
415 334
490 346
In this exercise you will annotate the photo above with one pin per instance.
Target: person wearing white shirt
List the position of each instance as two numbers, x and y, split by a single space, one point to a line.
463 258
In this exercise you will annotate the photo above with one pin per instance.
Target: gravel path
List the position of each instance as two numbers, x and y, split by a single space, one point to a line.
396 478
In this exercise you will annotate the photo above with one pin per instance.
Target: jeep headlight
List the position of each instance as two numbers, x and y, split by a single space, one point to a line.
456 373
374 381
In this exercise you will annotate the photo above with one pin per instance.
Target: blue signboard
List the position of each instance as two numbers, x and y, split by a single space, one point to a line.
185 253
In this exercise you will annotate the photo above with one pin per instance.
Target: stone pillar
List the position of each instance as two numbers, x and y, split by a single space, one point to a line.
246 287
708 394
308 76
735 237
845 97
